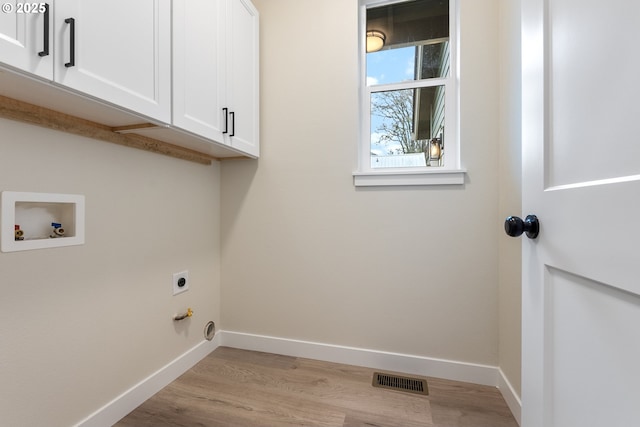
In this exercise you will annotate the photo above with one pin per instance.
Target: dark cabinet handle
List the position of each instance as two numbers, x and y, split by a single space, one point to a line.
72 42
233 123
45 48
515 226
226 120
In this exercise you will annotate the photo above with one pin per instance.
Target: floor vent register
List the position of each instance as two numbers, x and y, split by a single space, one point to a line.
406 384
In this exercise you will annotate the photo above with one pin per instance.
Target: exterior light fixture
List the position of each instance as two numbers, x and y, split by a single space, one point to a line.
435 152
375 41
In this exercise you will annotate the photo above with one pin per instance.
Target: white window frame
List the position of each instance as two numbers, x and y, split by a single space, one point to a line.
450 172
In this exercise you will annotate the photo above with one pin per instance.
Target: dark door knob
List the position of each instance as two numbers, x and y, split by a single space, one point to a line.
515 226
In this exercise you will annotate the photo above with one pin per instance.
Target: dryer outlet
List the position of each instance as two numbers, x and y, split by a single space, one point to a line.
180 282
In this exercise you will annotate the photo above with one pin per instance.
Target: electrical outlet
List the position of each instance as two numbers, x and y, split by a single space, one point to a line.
180 282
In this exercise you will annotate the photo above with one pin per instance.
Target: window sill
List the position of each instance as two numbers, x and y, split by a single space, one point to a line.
401 178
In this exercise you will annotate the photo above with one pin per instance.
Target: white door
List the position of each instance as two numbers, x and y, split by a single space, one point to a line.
26 38
581 177
120 52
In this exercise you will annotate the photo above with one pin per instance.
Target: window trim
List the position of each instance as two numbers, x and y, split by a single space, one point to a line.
451 172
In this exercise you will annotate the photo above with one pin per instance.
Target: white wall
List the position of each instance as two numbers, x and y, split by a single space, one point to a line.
510 191
81 325
305 255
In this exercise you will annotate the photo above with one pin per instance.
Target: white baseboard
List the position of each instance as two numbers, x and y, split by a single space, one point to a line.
510 396
387 361
416 365
136 395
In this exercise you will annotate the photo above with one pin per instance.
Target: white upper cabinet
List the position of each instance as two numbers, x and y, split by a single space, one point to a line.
190 67
118 51
26 38
243 76
215 65
198 51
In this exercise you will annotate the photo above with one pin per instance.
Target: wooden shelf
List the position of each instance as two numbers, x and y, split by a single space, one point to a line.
41 103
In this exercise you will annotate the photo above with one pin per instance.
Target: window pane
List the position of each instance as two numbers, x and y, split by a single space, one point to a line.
412 41
407 127
433 60
426 61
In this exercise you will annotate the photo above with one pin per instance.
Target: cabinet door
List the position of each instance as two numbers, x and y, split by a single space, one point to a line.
26 38
198 74
243 75
120 52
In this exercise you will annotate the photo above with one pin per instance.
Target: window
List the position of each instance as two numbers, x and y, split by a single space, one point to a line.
408 93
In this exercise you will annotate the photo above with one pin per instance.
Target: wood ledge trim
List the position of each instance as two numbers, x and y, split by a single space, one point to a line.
132 128
20 111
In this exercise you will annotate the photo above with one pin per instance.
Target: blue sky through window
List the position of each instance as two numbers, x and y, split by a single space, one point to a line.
386 67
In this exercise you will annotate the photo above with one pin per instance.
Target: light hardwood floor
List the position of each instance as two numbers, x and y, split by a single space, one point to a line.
232 387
